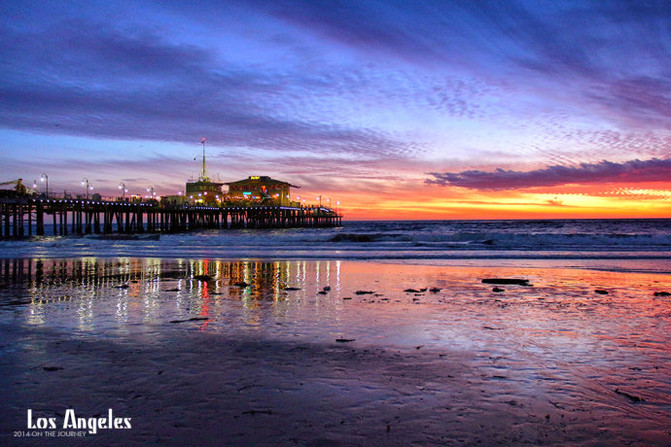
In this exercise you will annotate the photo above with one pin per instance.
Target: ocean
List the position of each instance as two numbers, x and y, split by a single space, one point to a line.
525 332
618 244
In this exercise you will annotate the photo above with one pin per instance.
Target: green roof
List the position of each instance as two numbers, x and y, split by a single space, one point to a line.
261 179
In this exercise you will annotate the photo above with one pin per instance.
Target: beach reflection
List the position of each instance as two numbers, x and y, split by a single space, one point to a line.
321 297
94 291
578 344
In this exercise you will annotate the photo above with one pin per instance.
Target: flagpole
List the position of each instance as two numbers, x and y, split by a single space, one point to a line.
204 173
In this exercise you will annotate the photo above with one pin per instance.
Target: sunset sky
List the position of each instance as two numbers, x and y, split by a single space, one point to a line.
397 109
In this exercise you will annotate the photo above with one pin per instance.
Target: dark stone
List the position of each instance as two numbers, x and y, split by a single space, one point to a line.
190 319
364 292
498 289
629 396
601 292
203 278
662 294
513 281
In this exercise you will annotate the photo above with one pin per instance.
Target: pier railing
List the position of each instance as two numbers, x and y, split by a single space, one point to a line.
28 216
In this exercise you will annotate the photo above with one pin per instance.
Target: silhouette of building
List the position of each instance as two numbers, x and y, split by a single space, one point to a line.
204 190
260 189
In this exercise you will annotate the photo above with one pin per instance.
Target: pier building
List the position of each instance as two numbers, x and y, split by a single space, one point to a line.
204 191
256 202
260 189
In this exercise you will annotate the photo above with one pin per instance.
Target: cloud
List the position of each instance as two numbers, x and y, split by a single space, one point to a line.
554 202
554 83
633 171
102 81
642 100
608 59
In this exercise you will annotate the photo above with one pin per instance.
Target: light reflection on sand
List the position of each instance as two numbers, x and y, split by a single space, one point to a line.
555 358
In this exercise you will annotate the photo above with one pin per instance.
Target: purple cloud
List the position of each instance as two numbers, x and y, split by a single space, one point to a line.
579 53
633 171
100 81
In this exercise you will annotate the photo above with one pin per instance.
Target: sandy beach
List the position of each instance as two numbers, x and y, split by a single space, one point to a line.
322 353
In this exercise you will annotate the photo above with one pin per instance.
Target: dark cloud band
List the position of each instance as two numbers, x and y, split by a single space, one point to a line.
633 171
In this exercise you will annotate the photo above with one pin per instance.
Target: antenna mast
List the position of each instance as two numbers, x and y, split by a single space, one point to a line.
204 173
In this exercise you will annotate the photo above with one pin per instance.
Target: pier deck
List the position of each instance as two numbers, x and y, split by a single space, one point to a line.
23 217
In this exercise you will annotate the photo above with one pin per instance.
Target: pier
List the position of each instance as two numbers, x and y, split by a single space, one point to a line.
22 217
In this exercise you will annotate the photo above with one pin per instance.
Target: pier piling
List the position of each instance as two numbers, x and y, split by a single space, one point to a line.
23 217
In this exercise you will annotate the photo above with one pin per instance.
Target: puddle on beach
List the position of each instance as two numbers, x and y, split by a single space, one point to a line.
344 352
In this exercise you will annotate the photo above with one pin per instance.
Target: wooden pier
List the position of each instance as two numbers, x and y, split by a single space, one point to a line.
23 217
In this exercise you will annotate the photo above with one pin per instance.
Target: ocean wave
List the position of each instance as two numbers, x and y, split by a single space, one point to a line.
545 241
379 240
370 237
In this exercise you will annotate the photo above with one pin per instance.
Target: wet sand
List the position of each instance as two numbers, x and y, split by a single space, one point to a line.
258 353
